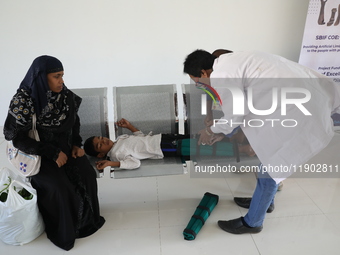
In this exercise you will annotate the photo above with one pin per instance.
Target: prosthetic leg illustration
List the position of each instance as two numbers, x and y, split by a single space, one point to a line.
321 20
338 19
331 21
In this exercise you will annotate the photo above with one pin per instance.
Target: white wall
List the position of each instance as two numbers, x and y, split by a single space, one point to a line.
106 43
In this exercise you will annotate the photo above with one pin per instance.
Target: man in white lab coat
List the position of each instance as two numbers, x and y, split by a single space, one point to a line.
283 108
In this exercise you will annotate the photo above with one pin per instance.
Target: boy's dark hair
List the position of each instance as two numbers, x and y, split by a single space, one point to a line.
89 147
197 61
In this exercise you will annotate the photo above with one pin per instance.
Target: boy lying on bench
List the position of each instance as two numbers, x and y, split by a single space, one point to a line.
127 151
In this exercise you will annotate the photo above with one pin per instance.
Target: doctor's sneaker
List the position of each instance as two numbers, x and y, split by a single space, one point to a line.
245 203
238 226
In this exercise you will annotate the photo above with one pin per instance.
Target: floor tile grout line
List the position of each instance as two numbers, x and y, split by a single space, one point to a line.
232 193
257 248
159 218
297 215
323 213
334 225
310 198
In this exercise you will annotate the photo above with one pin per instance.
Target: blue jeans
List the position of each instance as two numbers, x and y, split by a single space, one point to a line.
262 198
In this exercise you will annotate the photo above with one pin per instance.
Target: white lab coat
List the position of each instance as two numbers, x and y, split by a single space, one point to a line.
275 144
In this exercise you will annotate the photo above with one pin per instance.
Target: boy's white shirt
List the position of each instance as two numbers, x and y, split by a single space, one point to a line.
130 149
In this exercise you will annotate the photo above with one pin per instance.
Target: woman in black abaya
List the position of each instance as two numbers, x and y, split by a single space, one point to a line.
66 184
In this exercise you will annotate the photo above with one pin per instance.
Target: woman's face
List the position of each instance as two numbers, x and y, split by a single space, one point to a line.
56 81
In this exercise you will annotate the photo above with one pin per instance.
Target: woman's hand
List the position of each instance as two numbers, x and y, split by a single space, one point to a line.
77 152
62 159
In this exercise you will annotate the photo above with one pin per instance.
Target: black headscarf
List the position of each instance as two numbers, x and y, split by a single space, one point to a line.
56 111
35 81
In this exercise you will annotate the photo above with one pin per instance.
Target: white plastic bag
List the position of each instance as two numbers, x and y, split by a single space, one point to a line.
20 219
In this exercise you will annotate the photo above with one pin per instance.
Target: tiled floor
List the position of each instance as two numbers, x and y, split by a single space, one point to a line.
148 215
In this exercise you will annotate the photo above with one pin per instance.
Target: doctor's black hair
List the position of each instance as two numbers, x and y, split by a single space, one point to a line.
220 52
197 61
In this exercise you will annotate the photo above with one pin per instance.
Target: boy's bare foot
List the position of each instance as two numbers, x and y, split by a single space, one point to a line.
239 137
247 149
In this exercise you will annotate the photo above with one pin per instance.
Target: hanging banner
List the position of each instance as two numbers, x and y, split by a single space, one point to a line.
321 42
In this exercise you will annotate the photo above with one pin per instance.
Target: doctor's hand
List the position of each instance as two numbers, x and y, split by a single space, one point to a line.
208 121
209 118
216 138
205 136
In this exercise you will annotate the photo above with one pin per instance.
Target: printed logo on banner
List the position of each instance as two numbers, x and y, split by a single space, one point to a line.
280 99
